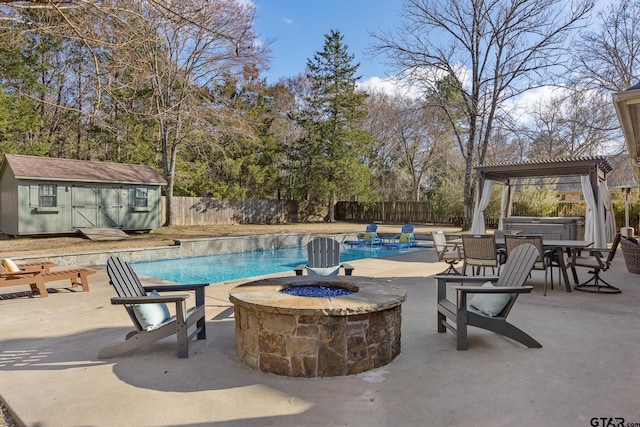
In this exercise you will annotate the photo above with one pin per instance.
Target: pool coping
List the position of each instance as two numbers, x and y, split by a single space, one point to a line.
184 248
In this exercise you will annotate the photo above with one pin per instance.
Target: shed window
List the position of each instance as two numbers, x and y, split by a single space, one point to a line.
141 198
48 196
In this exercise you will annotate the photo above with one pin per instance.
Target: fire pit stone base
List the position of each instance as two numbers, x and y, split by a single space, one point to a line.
317 337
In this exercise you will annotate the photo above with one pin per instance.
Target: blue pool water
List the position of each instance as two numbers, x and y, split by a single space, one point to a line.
240 265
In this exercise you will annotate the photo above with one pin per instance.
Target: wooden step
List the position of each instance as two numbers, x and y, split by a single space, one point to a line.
100 234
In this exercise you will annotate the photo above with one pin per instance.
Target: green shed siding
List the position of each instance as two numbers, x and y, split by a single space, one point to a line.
85 206
144 218
78 204
34 219
9 203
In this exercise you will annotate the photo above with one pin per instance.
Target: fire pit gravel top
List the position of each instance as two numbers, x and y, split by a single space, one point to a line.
370 295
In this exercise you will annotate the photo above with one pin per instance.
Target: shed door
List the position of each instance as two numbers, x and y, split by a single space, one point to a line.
95 207
109 207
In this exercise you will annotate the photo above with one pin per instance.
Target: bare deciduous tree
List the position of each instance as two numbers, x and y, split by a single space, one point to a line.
412 136
179 50
576 122
608 58
496 49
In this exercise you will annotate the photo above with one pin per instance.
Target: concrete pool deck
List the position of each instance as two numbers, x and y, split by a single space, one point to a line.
589 366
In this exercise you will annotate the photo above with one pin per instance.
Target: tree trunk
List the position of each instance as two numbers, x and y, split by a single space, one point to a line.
468 213
468 203
168 202
331 212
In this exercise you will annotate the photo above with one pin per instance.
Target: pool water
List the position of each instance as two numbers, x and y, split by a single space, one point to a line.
241 265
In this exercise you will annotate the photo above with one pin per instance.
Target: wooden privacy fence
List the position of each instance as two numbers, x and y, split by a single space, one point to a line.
207 211
396 213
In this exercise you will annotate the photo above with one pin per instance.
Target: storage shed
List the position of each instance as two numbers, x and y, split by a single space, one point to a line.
44 195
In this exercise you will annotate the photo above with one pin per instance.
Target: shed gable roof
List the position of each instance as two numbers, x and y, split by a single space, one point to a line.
49 168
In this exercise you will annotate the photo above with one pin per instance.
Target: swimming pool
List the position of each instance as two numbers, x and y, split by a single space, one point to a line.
241 265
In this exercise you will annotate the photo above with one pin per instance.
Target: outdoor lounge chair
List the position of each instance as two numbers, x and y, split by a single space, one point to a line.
324 259
447 252
598 260
368 238
490 307
31 277
37 274
406 238
45 266
149 312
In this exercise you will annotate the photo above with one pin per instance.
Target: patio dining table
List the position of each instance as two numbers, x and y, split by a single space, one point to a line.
559 246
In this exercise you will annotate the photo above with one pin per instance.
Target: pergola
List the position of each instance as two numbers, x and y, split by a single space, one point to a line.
599 219
627 103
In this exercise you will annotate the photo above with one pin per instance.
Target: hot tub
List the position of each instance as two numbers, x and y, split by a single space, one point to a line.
560 228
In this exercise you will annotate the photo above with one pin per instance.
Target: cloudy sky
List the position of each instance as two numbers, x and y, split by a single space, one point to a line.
297 29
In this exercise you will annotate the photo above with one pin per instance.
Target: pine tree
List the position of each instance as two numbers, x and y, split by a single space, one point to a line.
335 147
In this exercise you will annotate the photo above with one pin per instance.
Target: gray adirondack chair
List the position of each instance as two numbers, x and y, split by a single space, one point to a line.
457 316
323 254
131 292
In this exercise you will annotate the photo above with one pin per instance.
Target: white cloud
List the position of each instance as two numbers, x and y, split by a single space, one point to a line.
287 21
523 107
389 85
520 108
412 82
246 3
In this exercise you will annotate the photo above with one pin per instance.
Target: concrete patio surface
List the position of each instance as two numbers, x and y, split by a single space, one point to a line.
589 366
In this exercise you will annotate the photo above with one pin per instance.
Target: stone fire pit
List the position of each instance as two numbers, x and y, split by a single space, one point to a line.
302 336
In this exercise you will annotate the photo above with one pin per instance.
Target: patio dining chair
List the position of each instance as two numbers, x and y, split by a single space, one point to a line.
597 260
480 251
544 259
447 252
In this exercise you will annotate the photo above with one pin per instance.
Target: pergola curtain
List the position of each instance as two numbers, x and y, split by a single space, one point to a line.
478 226
505 205
609 216
594 224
